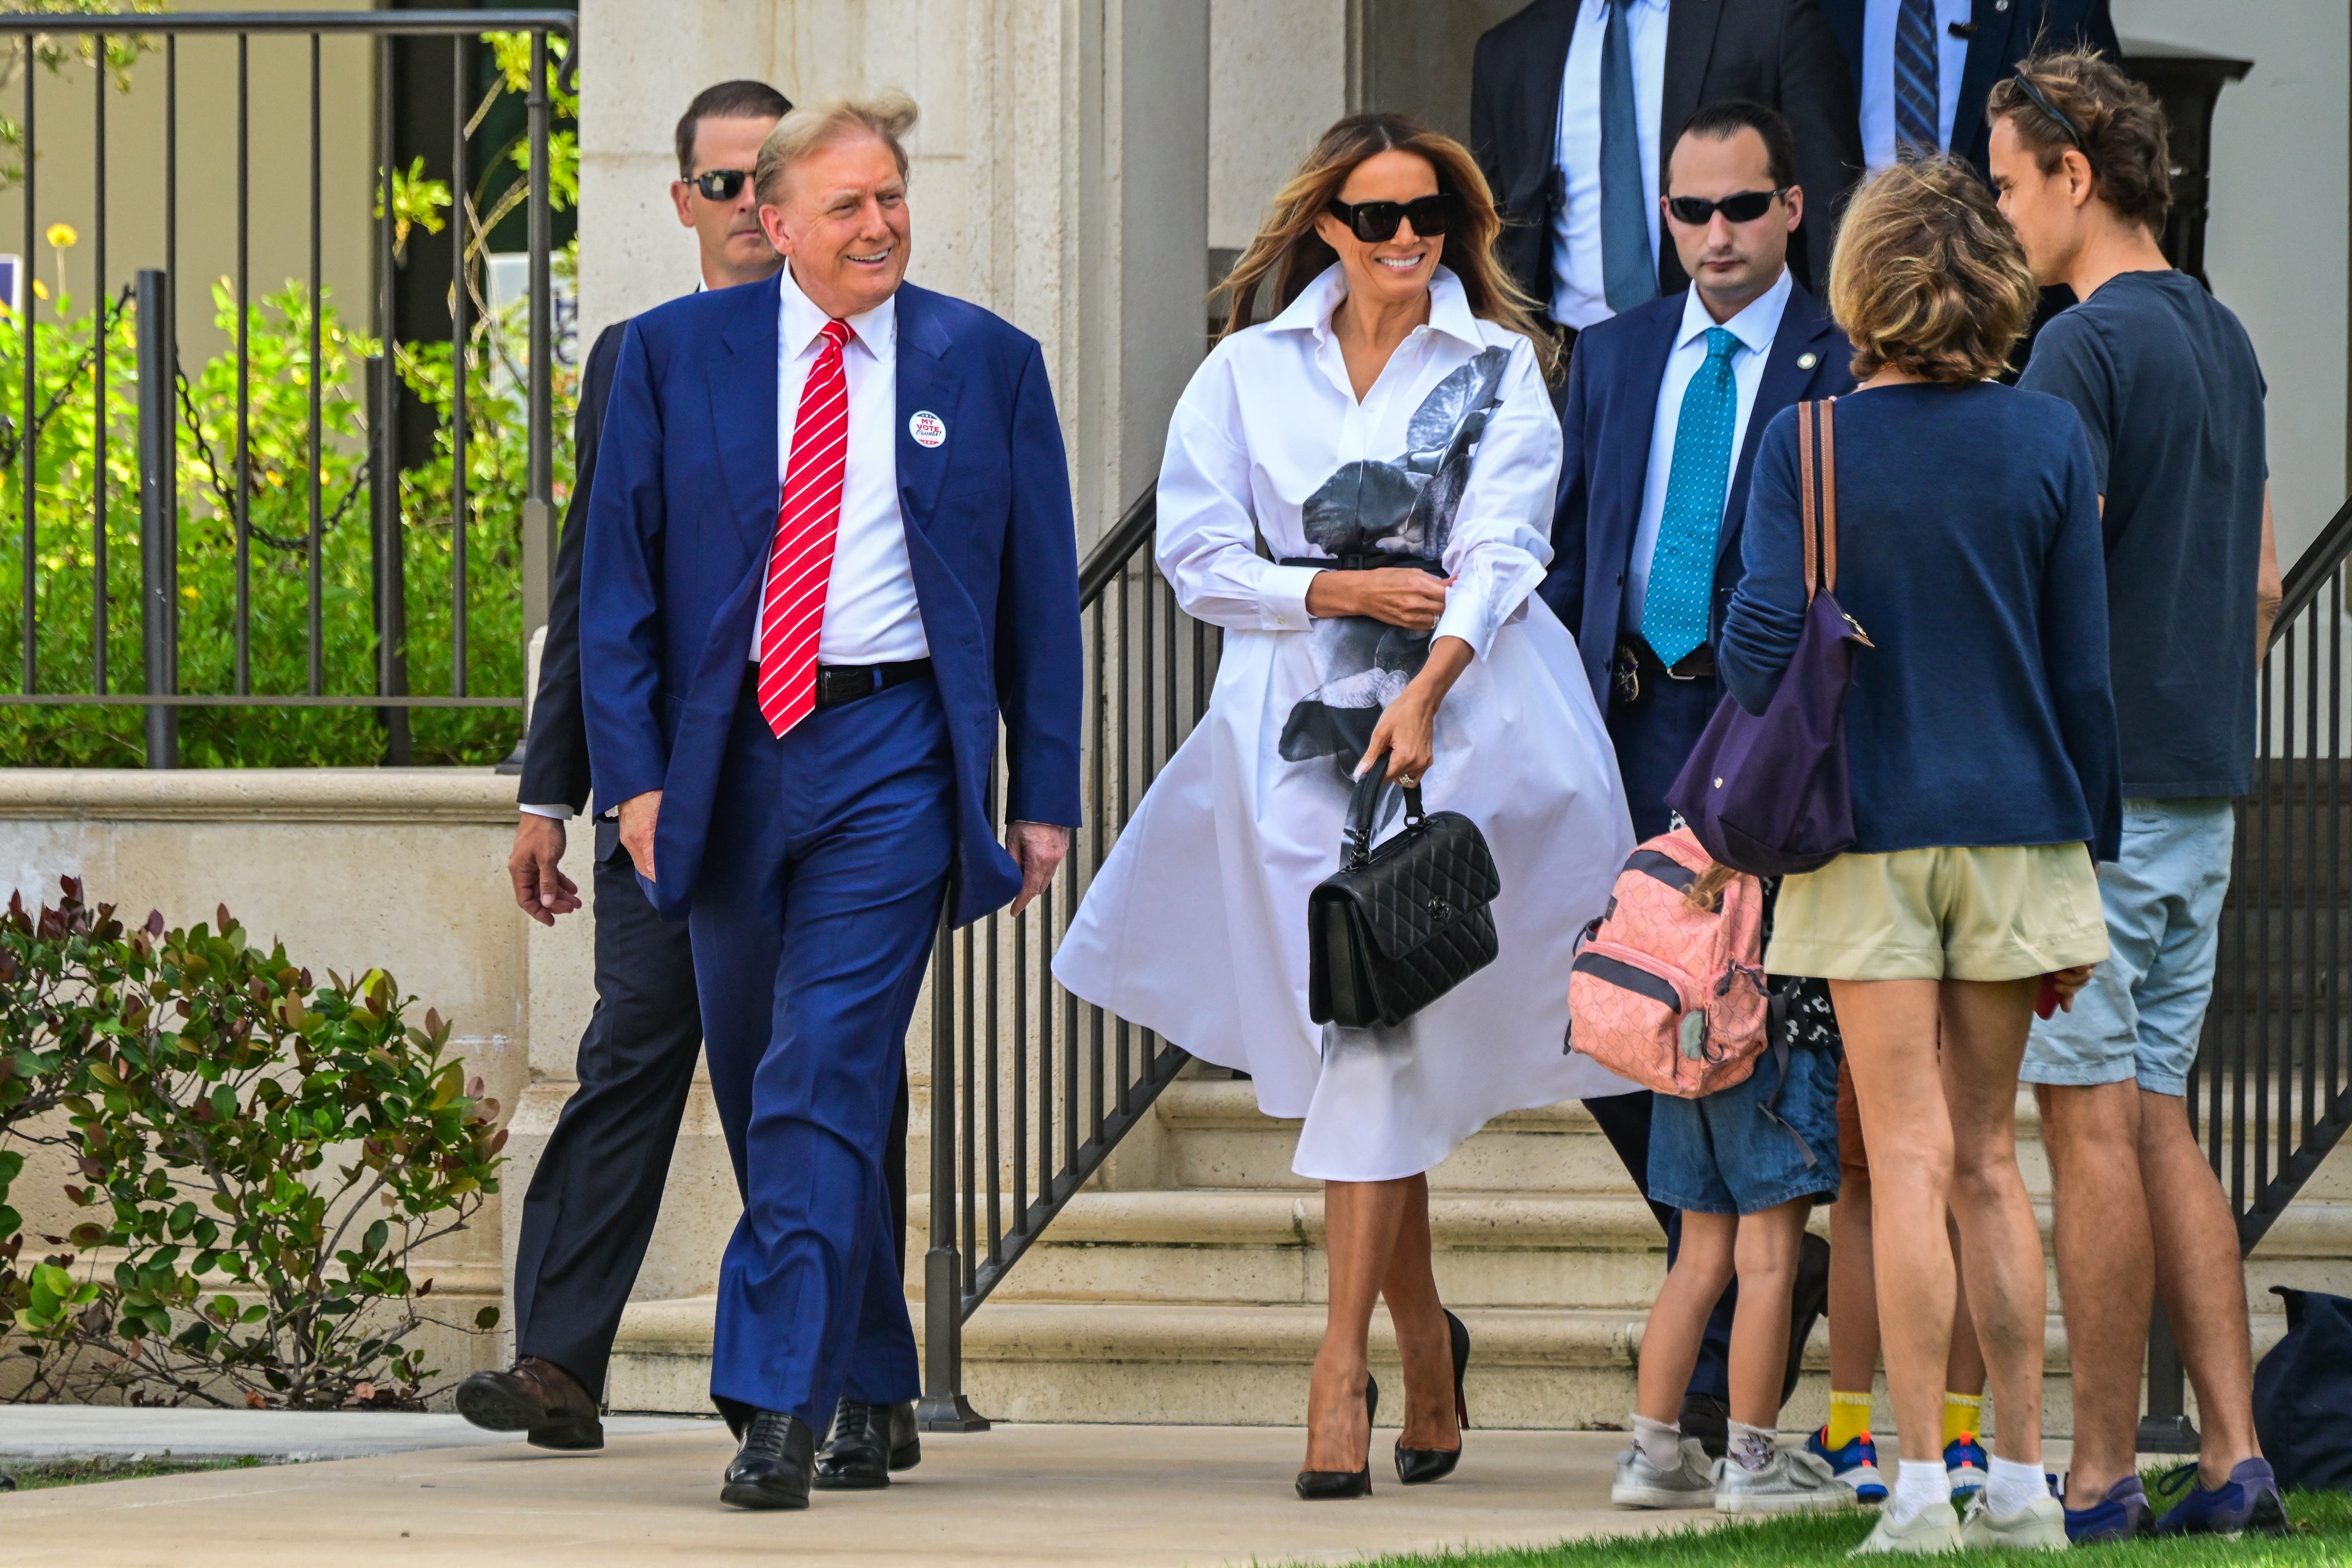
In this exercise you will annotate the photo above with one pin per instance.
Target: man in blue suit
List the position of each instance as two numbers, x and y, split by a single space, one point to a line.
1665 405
1921 69
830 545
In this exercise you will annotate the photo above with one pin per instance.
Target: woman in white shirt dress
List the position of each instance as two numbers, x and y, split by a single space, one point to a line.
1390 429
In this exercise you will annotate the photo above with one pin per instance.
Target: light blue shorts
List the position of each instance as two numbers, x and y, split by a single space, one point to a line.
2141 1014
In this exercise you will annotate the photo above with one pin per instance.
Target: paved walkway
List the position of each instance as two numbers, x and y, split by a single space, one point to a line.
1016 1495
87 1431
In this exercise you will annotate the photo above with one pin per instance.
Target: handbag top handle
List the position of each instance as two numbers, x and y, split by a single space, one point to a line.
1819 509
1355 846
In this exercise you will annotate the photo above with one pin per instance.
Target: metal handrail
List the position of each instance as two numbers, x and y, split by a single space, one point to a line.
159 501
995 1009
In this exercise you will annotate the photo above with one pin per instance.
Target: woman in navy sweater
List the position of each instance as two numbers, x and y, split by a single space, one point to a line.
1982 742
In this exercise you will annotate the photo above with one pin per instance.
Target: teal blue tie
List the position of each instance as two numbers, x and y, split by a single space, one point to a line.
1681 592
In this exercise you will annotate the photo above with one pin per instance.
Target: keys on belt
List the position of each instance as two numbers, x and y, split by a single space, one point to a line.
840 683
1636 667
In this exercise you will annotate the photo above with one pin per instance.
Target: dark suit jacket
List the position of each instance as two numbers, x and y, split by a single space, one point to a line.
1612 405
2006 32
684 509
1778 52
555 748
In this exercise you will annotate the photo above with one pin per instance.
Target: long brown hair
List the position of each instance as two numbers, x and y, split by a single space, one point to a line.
1287 249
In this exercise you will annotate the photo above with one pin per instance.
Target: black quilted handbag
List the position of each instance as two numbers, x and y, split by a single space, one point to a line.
1397 927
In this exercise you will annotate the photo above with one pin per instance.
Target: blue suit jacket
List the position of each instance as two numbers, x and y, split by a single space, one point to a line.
2006 32
679 524
1612 405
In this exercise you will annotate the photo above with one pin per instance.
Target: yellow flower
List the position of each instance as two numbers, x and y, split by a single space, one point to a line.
40 290
61 235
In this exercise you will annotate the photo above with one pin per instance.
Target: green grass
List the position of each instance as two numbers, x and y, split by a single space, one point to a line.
81 1472
2323 1522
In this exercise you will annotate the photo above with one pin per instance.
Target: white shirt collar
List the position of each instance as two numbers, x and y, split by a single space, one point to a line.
1596 12
803 321
1755 326
1449 307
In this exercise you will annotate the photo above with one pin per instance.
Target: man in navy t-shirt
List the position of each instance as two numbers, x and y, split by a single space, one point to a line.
2172 400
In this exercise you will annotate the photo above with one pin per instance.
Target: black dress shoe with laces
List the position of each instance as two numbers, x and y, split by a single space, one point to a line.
868 1442
537 1398
776 1464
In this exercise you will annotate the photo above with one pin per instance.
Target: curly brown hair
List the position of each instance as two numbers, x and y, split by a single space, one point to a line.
1287 249
2114 123
1927 277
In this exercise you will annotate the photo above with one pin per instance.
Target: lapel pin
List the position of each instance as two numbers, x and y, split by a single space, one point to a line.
1807 360
927 428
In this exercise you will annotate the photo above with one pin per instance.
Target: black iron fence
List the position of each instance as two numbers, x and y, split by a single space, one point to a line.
351 422
1031 1087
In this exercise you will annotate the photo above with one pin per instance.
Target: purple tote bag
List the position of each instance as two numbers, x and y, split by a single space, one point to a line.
1767 793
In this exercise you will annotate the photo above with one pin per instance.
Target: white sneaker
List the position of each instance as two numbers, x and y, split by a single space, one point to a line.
2039 1525
1641 1484
1930 1533
1793 1482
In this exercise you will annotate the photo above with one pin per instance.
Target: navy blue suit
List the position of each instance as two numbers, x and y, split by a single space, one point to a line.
1612 405
2006 31
813 868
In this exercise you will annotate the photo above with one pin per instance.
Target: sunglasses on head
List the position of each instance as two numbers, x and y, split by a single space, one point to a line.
1741 207
1373 222
720 184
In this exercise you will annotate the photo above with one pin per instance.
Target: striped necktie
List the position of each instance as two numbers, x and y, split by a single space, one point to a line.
1918 80
1629 274
800 564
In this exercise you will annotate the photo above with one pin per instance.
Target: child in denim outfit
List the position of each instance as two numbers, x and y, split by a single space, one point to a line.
1745 1165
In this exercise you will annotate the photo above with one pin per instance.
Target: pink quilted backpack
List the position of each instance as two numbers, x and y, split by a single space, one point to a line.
1667 988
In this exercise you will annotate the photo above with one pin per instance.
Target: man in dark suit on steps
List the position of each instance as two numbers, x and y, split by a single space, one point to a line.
1665 405
1574 103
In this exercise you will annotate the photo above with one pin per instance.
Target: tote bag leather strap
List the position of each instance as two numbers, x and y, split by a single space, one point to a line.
1818 496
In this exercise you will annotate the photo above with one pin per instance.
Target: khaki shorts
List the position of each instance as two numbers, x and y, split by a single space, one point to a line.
2008 913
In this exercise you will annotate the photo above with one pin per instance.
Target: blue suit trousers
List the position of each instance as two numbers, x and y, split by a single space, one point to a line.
812 922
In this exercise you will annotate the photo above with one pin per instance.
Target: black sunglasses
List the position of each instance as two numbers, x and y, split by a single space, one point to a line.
1373 222
720 184
2073 132
1741 207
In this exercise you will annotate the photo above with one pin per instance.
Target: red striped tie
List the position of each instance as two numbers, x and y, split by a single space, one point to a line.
800 562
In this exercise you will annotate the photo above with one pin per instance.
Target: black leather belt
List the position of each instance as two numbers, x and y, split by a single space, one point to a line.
1637 667
1372 561
840 683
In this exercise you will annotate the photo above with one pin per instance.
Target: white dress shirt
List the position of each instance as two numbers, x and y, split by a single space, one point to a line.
1578 296
870 613
1755 327
1879 75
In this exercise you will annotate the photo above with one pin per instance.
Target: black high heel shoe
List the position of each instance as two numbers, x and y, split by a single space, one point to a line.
1329 1485
1415 1465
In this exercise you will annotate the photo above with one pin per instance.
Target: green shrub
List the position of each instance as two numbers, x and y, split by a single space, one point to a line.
261 1156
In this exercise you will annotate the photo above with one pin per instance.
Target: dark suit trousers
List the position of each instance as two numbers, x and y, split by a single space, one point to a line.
1654 735
596 1193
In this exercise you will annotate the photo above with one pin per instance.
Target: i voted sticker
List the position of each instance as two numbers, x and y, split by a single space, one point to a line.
927 428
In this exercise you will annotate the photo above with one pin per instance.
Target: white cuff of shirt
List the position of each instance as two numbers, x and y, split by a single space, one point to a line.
1282 598
1461 619
559 813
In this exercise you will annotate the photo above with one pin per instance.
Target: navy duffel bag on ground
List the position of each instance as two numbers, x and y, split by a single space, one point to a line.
2303 1394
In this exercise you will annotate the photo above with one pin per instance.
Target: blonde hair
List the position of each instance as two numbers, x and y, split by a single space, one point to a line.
886 116
1287 249
1927 277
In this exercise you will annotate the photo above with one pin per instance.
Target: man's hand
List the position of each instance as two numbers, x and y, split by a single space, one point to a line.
1039 847
540 888
638 815
2068 983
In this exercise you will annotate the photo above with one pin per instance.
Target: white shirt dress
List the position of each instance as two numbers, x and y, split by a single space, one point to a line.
1196 924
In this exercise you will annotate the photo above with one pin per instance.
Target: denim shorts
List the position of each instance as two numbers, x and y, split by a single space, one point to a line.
1722 1154
2142 1013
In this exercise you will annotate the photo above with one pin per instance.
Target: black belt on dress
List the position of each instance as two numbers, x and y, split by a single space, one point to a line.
1372 561
840 683
1637 667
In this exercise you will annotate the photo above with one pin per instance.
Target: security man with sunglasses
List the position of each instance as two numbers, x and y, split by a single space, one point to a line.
597 1189
1666 405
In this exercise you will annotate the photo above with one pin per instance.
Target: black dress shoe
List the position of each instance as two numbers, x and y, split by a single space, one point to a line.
536 1398
868 1442
1331 1486
1415 1465
776 1464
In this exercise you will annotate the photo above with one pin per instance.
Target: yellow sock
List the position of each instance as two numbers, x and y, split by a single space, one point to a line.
1963 1414
1848 1418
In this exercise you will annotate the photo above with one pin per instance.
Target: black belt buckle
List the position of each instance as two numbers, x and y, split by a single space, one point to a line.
1625 674
846 684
